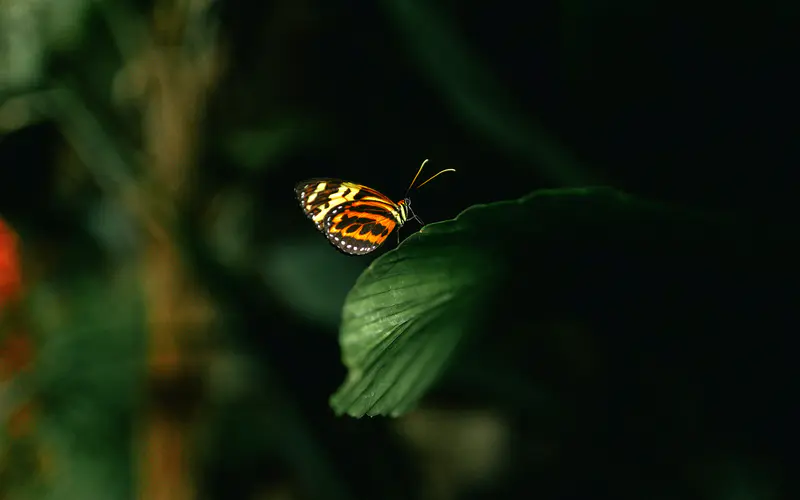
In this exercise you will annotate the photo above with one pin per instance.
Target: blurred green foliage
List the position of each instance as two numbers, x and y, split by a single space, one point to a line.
557 345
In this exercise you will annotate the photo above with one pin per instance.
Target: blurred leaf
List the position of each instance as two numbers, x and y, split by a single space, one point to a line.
29 30
311 278
24 47
410 310
88 376
229 228
736 477
64 22
113 227
256 149
477 96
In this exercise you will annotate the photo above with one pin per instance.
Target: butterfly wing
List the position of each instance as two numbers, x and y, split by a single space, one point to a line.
319 196
356 219
360 227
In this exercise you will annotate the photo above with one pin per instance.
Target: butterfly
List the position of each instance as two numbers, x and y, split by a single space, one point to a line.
355 218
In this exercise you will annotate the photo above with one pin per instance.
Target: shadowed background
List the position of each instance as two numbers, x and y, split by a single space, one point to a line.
173 333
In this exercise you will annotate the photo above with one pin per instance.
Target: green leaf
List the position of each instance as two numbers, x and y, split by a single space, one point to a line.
496 264
401 323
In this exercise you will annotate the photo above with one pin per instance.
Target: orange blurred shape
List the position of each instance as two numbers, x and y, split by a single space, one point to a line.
16 354
20 422
10 278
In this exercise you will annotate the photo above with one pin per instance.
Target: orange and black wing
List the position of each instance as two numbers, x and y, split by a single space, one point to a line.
359 227
356 219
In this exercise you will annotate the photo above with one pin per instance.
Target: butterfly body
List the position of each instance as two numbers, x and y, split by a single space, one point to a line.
356 219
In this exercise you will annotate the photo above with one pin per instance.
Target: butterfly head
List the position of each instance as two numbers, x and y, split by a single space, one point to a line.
407 213
405 204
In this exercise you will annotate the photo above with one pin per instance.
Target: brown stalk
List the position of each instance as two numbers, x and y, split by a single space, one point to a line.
178 75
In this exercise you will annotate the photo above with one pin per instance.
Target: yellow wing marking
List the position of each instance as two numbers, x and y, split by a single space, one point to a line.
334 199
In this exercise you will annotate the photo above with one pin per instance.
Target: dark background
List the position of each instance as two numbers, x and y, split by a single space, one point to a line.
694 105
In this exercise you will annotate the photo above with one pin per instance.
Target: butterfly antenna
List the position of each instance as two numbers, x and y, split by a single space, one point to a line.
415 177
432 178
437 175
